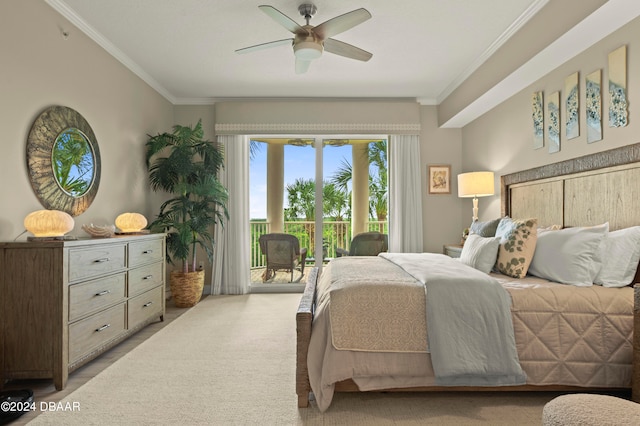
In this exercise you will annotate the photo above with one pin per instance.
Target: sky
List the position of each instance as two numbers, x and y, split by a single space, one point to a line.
299 162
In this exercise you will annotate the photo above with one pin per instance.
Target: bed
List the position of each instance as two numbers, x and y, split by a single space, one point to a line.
567 337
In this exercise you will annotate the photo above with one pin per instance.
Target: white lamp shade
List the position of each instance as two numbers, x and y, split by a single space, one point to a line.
48 223
307 50
475 184
131 222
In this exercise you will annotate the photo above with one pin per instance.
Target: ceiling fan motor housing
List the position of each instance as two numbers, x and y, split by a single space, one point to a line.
307 10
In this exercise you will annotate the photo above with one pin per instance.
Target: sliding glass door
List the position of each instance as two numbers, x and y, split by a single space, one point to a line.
321 190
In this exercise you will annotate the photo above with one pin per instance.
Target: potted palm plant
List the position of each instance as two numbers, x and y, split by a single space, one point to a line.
186 166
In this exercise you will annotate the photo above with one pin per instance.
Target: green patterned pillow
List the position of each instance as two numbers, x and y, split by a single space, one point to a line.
517 247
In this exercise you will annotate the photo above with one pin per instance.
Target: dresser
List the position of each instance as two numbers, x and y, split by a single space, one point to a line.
63 303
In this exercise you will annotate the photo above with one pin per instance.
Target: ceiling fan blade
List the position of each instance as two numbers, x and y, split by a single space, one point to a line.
302 66
341 23
283 19
268 45
345 49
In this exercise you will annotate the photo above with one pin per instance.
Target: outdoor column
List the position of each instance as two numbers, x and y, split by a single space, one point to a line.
275 187
360 188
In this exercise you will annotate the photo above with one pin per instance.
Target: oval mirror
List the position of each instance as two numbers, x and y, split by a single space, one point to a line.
63 160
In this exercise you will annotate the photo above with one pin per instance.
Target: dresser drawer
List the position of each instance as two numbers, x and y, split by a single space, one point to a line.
94 261
144 306
92 332
147 251
92 296
145 278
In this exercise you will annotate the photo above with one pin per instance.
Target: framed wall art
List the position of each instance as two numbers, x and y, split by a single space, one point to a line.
593 97
572 106
537 115
439 179
618 87
553 122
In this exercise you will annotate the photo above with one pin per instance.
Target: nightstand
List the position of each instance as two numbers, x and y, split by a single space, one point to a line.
452 250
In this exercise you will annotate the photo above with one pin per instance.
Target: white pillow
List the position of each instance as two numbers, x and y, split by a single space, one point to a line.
480 252
620 257
570 255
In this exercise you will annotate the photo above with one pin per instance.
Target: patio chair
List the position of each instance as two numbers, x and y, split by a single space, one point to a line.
283 252
366 244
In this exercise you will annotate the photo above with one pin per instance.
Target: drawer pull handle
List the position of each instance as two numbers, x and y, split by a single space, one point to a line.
146 305
102 260
104 327
147 252
103 292
148 277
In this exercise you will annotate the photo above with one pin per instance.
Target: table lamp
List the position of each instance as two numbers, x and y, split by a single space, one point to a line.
475 184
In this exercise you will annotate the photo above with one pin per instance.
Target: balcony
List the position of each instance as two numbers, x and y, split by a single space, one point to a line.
334 234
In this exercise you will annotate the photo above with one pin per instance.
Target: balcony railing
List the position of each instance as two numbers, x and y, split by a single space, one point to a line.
334 234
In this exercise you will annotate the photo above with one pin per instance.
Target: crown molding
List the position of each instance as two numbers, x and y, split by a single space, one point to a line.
62 8
502 39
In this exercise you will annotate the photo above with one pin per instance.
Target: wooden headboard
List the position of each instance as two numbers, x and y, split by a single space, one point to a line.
584 191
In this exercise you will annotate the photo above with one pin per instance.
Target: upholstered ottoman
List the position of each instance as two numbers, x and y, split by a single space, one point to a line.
586 409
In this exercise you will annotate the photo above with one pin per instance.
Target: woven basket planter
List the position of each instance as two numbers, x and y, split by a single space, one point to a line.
186 288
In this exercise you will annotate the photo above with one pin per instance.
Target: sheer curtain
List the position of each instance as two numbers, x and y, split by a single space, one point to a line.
405 194
230 273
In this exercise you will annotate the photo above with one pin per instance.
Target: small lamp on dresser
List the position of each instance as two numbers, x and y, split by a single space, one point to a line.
131 222
475 184
48 224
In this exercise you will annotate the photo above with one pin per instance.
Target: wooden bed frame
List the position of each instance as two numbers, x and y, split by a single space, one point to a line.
576 192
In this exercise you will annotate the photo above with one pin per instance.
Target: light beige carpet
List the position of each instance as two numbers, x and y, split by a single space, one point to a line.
231 361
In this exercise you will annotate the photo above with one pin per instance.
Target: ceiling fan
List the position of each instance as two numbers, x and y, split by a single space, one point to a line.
309 41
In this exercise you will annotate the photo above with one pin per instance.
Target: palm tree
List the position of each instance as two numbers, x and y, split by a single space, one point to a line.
72 162
302 200
336 202
377 155
189 173
254 148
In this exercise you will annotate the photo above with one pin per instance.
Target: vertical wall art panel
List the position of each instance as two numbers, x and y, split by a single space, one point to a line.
618 87
572 106
594 106
553 121
537 114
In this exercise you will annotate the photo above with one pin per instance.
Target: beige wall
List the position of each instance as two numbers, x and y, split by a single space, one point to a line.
501 139
188 115
442 213
39 68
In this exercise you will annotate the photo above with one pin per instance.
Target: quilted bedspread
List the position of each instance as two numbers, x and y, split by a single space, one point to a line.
565 335
571 335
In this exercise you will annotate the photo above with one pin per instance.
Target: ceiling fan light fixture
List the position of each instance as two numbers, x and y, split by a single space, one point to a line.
307 50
